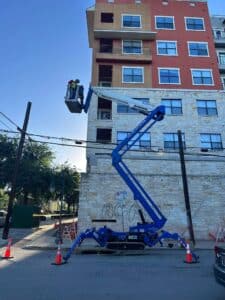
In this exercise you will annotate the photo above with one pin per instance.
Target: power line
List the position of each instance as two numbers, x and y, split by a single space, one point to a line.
11 121
111 148
4 124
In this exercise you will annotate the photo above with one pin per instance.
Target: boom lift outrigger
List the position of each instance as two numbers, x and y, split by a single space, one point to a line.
144 233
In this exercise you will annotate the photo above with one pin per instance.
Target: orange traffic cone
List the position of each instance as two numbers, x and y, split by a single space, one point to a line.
58 257
188 258
7 254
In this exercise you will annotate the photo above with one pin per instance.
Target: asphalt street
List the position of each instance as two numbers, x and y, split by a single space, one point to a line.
159 275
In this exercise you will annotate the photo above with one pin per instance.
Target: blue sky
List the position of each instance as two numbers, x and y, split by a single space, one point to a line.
43 45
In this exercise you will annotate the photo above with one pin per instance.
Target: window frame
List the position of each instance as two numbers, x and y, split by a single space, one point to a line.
203 22
166 41
163 68
171 107
173 18
223 81
211 142
132 82
219 52
196 42
130 110
202 70
206 107
130 15
174 141
135 146
131 53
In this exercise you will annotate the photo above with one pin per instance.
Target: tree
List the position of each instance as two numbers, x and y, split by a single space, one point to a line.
36 174
7 159
67 182
34 168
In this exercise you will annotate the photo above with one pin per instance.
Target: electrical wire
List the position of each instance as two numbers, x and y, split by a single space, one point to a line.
4 124
11 121
109 149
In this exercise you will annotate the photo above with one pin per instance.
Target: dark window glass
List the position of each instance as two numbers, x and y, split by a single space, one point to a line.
131 21
164 23
202 77
211 141
107 17
207 107
103 135
198 49
169 76
133 47
194 24
173 106
171 141
144 141
106 45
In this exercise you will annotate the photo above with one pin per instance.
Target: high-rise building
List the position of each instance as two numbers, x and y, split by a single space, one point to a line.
158 52
218 27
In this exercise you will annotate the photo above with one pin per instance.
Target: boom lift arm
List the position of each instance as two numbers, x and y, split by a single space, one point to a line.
145 233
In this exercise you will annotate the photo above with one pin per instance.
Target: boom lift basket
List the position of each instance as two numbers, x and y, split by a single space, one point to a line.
74 105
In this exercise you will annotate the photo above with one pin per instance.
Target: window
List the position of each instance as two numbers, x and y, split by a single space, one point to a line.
106 45
131 21
223 82
132 47
144 141
211 141
171 141
201 77
173 106
207 107
166 48
104 135
125 109
133 75
162 22
194 24
105 75
198 49
104 109
169 76
107 17
221 57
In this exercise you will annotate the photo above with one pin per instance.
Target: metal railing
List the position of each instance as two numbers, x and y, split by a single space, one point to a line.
124 51
219 35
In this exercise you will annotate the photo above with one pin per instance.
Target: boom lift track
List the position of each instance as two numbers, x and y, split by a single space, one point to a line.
145 233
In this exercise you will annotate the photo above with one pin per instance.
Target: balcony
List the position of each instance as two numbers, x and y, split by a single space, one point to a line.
132 55
219 38
222 68
125 34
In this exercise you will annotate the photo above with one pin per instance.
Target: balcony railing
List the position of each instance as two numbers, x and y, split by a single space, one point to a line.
125 51
219 38
219 35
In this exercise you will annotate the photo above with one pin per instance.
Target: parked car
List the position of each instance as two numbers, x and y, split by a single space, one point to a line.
219 266
2 217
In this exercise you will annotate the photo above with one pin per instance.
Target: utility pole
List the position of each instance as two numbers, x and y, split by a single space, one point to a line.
15 173
185 187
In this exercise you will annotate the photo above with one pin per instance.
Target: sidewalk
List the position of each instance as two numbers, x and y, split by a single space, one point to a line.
43 238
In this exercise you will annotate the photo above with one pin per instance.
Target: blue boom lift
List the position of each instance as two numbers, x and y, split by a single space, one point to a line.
145 233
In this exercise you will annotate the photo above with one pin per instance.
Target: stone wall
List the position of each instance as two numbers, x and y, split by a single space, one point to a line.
105 196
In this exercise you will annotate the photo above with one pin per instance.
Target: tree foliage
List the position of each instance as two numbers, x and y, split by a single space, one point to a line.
36 174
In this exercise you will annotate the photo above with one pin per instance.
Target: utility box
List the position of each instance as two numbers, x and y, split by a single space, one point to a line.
22 216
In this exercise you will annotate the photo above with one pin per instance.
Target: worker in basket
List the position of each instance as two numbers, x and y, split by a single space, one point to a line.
72 86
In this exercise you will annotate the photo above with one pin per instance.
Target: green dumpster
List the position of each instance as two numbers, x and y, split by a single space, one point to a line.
22 216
